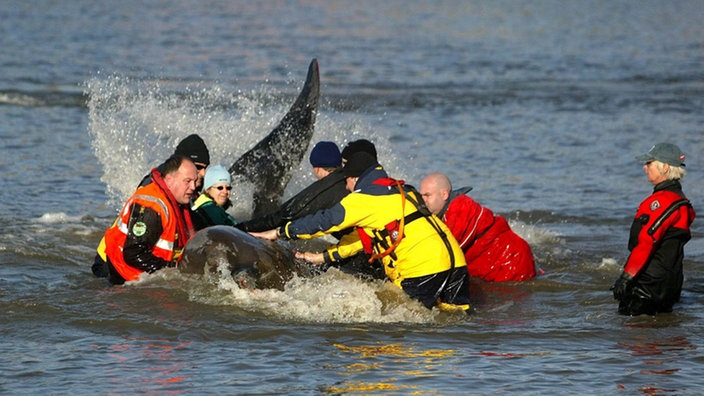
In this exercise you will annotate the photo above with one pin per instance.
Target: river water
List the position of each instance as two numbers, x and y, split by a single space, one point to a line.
540 106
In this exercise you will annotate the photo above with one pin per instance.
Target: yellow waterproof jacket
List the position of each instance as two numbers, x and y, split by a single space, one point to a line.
372 207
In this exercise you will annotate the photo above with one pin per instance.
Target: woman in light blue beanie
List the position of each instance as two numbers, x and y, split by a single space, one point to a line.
211 207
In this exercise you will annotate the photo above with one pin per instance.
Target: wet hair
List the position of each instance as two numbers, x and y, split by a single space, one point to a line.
173 164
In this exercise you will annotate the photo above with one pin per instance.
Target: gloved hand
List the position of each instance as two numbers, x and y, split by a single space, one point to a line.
622 286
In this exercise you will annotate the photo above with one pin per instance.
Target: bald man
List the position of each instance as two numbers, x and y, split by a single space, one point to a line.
492 250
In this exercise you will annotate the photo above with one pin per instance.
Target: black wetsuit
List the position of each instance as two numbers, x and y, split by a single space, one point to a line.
322 194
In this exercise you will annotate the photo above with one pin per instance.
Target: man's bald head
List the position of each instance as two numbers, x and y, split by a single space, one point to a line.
435 189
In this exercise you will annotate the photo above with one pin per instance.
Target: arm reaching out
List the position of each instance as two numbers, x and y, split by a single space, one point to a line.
270 235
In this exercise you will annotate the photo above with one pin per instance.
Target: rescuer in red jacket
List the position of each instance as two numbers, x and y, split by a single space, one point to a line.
492 250
651 280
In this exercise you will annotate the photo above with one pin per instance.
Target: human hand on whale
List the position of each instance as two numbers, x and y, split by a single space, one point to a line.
272 235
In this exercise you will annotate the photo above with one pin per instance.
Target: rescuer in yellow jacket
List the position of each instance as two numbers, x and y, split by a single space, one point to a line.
418 252
154 224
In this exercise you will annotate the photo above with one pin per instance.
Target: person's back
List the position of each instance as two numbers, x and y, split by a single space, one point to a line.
492 250
416 249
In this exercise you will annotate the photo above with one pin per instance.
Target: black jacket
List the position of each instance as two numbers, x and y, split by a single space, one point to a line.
322 194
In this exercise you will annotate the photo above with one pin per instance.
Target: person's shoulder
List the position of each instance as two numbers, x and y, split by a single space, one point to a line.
462 204
463 199
202 201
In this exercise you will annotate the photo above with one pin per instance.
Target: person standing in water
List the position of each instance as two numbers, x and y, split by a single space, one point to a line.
651 280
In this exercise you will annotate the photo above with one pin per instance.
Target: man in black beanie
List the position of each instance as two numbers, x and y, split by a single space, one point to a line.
193 147
356 146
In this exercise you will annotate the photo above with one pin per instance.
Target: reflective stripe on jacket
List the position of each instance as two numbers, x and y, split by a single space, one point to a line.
151 197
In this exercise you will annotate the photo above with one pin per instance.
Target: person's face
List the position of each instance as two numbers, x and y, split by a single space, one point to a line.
433 197
653 173
350 183
220 193
201 174
182 183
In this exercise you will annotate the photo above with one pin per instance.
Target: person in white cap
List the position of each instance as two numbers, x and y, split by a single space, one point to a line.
211 207
651 280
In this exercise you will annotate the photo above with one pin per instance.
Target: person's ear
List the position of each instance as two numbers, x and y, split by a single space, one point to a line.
445 194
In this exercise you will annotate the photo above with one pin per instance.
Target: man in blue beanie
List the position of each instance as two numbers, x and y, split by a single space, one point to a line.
328 190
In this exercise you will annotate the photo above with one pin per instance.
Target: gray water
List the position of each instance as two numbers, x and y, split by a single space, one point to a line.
540 106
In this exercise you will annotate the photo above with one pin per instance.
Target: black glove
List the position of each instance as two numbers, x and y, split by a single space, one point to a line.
622 286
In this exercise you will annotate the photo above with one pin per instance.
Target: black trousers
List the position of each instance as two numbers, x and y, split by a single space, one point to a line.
455 289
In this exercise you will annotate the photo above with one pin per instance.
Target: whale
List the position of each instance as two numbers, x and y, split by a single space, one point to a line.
254 263
269 165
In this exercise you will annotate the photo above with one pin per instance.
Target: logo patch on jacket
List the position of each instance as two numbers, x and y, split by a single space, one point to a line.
139 229
655 205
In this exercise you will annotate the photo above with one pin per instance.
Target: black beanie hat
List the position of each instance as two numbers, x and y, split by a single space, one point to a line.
194 148
358 163
356 146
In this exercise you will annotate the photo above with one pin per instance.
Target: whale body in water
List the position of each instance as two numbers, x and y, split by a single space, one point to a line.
253 262
268 166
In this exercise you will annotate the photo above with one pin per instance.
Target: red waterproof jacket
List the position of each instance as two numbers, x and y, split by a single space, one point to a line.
492 250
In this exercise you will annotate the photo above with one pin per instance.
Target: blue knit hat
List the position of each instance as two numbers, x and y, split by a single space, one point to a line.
216 174
325 155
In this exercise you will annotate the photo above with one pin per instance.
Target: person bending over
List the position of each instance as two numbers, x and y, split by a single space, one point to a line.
492 250
418 252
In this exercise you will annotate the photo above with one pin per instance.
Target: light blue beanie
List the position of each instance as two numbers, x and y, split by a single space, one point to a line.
216 174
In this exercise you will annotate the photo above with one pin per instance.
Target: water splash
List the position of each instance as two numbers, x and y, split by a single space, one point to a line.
136 124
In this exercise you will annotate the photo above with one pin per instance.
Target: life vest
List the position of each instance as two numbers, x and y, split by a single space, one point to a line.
663 211
384 241
167 247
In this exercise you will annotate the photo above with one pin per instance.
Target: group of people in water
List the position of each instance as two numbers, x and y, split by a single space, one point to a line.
428 242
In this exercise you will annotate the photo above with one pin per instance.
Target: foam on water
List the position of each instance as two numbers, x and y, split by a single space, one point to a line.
332 297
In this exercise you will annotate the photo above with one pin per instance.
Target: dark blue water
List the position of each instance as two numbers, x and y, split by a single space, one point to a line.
539 106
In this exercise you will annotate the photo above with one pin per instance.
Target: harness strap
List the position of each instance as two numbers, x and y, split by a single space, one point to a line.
667 213
422 208
402 225
384 232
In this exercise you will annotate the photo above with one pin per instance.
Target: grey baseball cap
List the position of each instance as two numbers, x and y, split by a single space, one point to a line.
664 152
